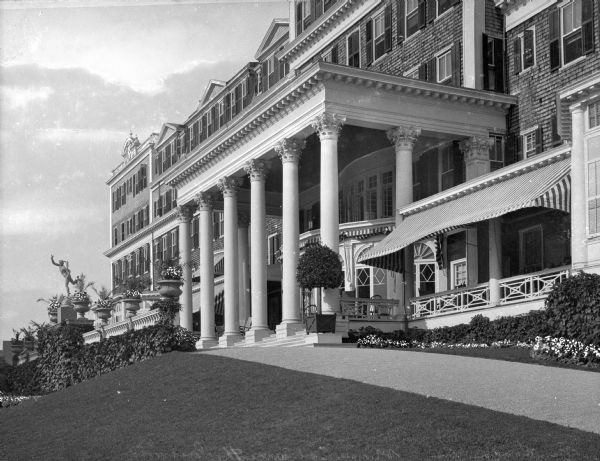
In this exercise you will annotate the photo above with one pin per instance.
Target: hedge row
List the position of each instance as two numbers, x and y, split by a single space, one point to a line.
64 360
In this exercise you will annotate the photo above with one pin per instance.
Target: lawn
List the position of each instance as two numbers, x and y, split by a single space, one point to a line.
198 406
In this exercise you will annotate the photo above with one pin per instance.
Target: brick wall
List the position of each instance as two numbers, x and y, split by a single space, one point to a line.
537 86
494 20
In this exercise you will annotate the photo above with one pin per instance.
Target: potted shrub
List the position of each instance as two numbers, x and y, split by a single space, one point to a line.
319 267
80 298
132 295
28 338
53 304
105 304
16 344
171 273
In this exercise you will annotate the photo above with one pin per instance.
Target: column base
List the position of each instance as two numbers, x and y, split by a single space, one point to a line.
229 339
324 338
206 343
285 330
256 336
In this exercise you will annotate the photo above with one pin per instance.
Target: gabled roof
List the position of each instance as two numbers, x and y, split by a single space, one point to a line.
167 130
279 28
213 87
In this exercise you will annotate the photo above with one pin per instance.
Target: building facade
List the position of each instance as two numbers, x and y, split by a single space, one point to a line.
447 149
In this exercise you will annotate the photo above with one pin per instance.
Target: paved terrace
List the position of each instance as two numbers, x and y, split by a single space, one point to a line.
562 396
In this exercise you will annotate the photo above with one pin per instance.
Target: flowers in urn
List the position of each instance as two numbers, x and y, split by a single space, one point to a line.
133 288
53 304
104 305
171 270
80 295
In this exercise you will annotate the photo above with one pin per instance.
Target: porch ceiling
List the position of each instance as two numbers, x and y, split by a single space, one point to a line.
546 185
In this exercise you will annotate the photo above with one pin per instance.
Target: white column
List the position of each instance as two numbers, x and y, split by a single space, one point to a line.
208 337
185 214
289 151
477 156
328 127
404 139
578 200
473 12
495 259
244 269
257 171
229 186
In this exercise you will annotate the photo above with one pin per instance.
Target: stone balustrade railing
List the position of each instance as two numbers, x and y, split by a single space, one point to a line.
138 322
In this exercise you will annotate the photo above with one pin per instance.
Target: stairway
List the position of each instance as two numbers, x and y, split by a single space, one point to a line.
296 340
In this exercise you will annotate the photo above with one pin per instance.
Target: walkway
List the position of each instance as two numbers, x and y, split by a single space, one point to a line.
562 396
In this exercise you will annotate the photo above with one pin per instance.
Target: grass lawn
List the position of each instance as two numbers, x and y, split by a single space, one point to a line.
197 406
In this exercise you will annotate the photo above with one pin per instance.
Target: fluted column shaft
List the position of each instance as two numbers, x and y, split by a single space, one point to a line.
579 254
495 258
328 127
205 202
289 151
244 269
185 214
229 186
257 171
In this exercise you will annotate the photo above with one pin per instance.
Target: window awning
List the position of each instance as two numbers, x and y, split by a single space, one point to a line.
547 186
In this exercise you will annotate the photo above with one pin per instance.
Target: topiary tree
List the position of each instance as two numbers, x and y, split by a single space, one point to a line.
319 267
573 308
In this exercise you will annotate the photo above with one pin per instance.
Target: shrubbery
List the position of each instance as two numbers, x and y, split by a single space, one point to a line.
64 359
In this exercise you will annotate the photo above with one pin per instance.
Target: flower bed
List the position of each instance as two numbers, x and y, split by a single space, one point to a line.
566 350
375 341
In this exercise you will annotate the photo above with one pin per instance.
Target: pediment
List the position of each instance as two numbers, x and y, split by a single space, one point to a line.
213 87
278 29
165 132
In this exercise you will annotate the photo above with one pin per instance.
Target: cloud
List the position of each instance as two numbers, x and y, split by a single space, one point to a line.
20 97
59 135
56 220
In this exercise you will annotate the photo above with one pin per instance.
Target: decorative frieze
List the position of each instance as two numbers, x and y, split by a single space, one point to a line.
256 169
205 201
404 136
229 185
290 149
328 124
185 212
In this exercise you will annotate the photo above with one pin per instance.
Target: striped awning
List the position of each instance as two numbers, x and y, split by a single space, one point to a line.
547 186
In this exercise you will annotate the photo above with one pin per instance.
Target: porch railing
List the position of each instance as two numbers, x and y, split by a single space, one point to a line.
138 322
449 301
531 286
527 287
365 308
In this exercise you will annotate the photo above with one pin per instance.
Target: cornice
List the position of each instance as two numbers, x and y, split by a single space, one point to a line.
482 182
518 11
292 91
171 216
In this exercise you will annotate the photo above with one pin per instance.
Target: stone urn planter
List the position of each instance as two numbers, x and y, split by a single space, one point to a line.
170 288
53 316
103 313
132 305
81 307
29 344
16 348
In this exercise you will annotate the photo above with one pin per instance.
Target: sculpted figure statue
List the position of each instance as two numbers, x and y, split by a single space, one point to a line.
63 268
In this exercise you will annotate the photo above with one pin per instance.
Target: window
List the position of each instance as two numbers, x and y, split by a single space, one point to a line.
571 32
524 51
415 16
459 274
146 255
371 211
218 224
444 5
359 213
273 248
447 167
115 236
195 233
379 34
354 49
496 152
165 248
593 194
122 231
493 65
532 142
387 192
174 243
594 114
531 244
444 66
331 55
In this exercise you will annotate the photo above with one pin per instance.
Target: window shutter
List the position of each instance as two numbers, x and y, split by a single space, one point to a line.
299 11
431 10
587 26
388 28
528 49
318 8
423 71
400 20
459 163
422 12
334 54
486 61
432 70
556 138
554 27
369 35
456 65
517 55
264 77
539 139
498 65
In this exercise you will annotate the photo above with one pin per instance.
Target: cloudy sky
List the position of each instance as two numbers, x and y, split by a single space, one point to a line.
74 80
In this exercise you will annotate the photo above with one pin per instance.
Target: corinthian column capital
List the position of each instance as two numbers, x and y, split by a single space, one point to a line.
205 201
229 185
404 136
328 124
185 212
476 148
290 149
256 169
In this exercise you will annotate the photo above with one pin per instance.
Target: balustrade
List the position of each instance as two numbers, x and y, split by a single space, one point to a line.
365 308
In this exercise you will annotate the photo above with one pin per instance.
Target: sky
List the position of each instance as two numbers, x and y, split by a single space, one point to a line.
76 76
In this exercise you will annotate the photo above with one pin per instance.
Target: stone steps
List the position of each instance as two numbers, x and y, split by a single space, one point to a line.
296 340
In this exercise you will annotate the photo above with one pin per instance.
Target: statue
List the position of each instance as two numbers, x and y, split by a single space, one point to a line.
63 267
130 147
